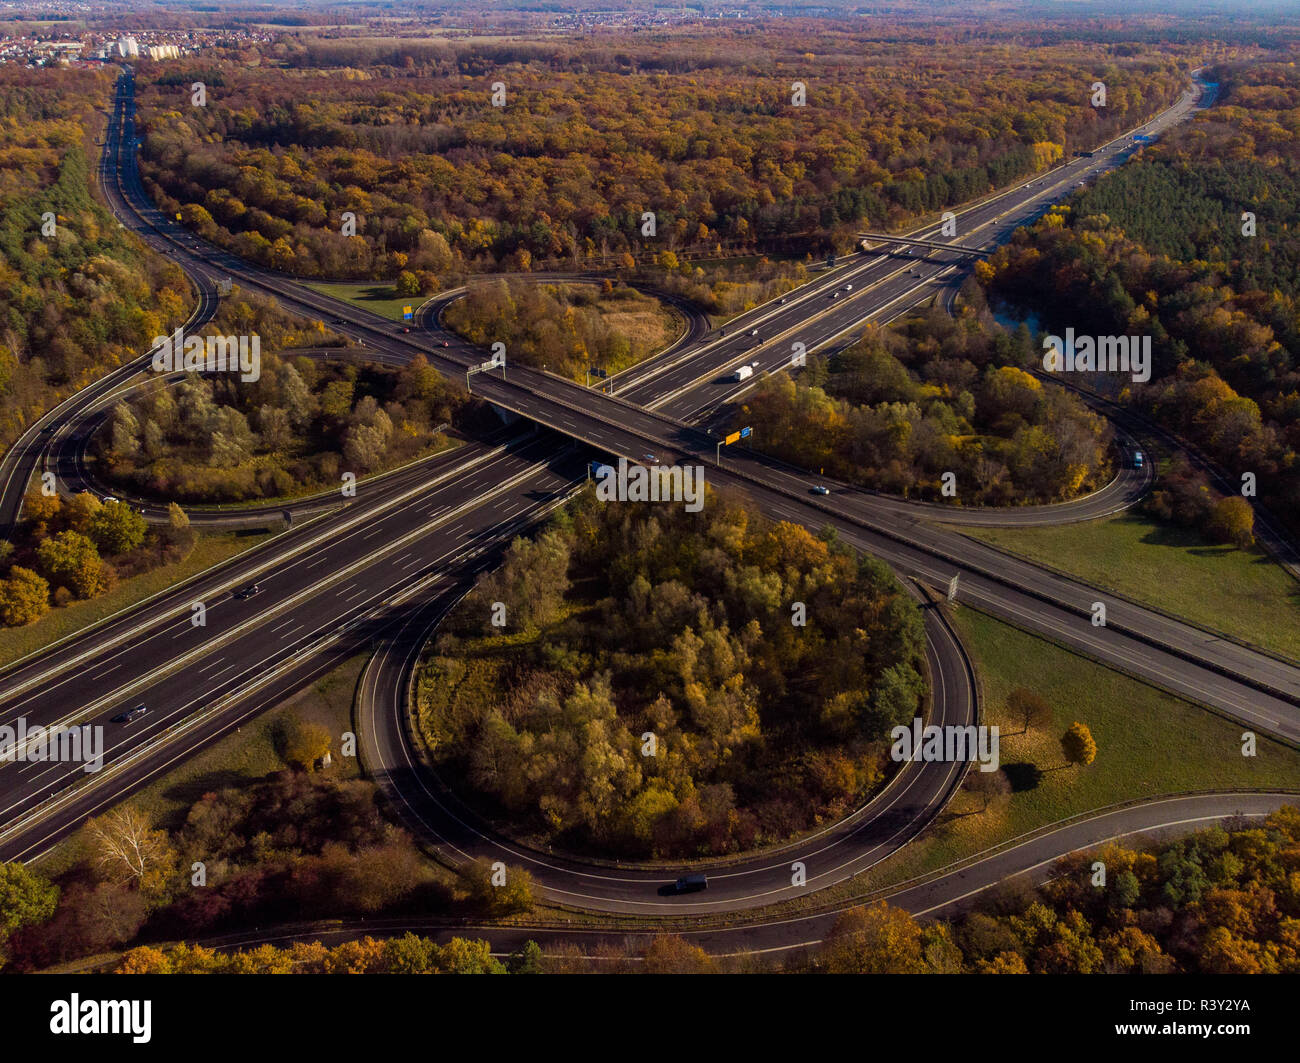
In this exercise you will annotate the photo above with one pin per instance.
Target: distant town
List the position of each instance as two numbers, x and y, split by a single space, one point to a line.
61 47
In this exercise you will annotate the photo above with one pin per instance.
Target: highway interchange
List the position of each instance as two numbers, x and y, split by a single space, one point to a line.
381 570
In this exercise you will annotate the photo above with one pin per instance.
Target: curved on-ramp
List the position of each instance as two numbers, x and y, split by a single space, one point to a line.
916 793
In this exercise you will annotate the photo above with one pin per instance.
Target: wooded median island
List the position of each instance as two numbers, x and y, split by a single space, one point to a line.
668 683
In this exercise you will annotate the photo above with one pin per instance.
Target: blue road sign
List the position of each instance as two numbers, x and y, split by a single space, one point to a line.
744 433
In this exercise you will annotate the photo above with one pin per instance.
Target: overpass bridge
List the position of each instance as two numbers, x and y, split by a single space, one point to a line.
932 245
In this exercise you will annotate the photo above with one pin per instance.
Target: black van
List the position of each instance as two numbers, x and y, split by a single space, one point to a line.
691 883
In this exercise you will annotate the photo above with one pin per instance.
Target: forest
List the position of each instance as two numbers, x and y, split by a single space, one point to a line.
1220 901
295 844
65 551
707 136
214 438
904 405
1163 248
768 664
78 295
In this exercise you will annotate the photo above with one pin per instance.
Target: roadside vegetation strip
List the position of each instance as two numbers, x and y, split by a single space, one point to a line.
241 755
634 926
252 753
210 550
293 551
574 323
1046 830
1242 596
336 575
271 509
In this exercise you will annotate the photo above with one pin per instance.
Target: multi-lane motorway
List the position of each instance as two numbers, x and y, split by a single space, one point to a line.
387 566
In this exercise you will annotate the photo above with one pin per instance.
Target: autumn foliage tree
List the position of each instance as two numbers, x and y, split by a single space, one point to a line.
1232 520
497 890
72 560
26 899
24 597
1077 744
672 954
305 743
882 939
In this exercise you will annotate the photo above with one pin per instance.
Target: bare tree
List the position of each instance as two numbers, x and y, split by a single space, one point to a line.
990 785
1032 710
126 848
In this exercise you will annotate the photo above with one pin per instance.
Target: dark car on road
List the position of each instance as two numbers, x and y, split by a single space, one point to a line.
691 883
249 591
131 715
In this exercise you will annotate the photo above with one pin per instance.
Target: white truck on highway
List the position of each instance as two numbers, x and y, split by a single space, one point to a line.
743 372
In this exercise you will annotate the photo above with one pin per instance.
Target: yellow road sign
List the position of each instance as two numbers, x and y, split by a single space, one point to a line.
732 438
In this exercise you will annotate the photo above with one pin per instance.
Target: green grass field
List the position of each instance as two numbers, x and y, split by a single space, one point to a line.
1235 592
1129 720
253 751
209 549
377 297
